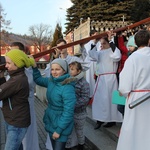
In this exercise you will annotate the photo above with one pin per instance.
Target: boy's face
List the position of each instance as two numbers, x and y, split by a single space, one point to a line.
73 71
63 51
10 65
104 44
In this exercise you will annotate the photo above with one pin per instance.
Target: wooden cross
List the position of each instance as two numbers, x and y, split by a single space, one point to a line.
123 18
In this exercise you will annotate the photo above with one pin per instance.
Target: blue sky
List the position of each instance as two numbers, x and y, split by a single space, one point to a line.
25 13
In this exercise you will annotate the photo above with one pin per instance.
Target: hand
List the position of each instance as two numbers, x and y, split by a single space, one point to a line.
34 65
110 35
2 73
95 40
55 136
57 53
120 94
82 45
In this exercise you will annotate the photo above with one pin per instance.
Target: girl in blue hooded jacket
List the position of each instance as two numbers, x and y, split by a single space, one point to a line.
58 117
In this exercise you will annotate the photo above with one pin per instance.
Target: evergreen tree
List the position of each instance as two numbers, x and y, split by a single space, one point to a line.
57 34
117 9
140 10
97 10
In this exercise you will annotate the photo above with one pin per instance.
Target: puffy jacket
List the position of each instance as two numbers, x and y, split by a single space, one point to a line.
61 98
82 93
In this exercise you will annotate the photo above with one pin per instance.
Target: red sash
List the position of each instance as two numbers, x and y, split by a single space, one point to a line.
91 100
138 91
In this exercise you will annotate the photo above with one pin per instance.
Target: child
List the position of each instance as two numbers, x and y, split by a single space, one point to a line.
30 140
107 58
83 95
131 46
14 93
58 117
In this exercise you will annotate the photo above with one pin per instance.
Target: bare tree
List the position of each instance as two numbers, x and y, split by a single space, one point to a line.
4 26
41 35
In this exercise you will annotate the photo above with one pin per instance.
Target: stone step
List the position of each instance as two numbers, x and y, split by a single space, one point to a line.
103 138
97 139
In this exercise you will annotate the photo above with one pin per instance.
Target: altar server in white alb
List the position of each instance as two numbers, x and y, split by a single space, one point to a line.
85 53
107 63
135 83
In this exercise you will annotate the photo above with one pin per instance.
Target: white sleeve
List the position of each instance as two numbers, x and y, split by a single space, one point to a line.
94 54
126 78
87 46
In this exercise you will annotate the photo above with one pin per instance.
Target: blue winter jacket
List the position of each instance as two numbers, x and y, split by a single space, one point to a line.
61 98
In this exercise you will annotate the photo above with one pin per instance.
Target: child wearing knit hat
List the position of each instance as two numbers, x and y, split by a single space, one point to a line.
30 141
19 58
131 46
14 94
58 117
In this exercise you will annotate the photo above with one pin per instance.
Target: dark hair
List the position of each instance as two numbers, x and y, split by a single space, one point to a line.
77 65
106 39
19 44
142 38
61 40
93 31
27 50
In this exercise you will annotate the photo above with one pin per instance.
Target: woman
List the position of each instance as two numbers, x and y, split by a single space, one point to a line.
58 117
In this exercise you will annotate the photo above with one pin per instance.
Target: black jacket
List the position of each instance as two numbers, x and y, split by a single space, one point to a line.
15 93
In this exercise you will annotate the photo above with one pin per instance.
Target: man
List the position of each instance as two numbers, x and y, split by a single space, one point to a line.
134 83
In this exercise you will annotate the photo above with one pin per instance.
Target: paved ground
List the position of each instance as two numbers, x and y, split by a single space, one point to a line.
39 108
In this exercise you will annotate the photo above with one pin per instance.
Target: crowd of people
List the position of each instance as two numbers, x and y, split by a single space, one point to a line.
110 63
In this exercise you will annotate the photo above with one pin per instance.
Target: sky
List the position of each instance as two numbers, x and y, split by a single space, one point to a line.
25 13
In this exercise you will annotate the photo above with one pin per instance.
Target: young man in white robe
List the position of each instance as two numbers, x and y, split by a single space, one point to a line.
107 59
92 70
135 83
